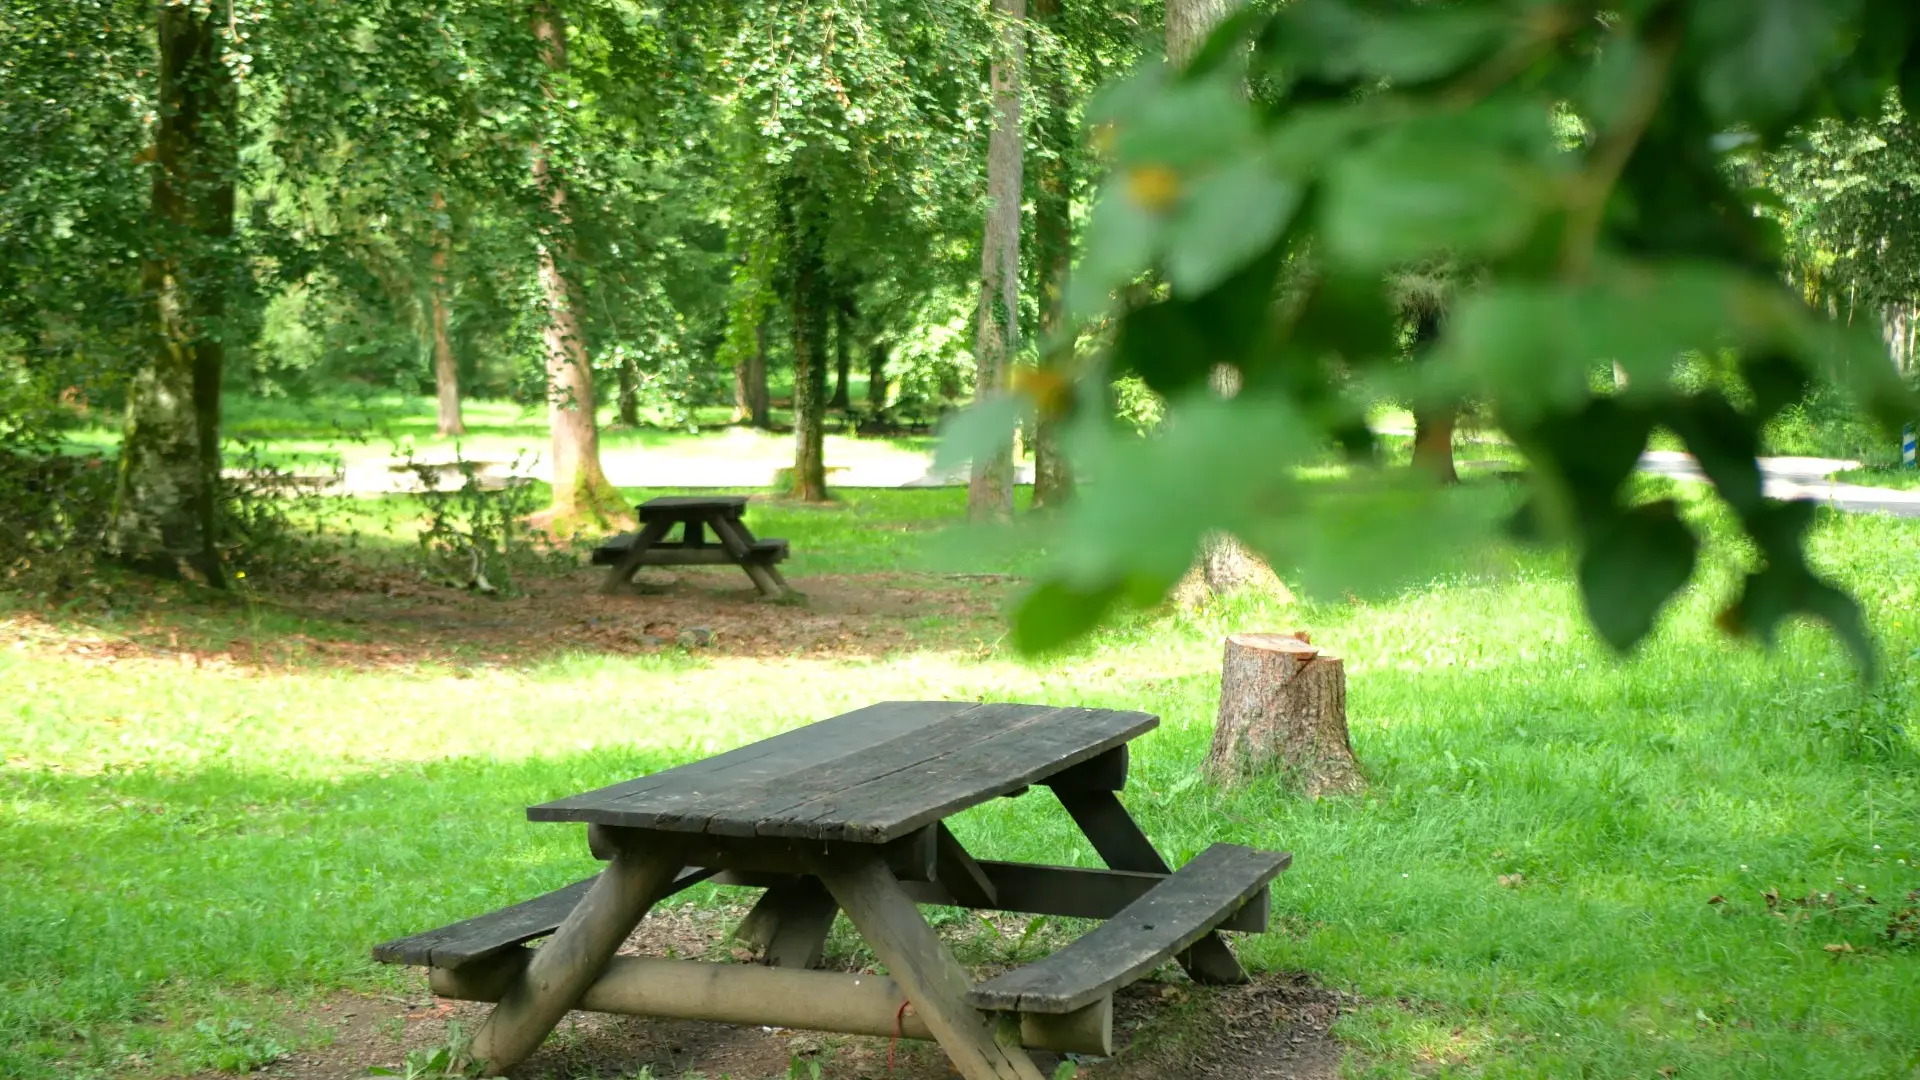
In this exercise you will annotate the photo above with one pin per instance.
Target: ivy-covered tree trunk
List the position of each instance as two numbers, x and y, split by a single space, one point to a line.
446 371
628 390
1433 424
877 377
581 491
759 403
165 509
804 228
1053 254
997 327
842 352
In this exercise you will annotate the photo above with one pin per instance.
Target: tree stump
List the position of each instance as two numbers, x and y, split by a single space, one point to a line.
1283 708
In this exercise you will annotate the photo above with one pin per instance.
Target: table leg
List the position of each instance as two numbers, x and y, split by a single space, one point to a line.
933 981
739 544
790 923
623 572
1122 846
563 968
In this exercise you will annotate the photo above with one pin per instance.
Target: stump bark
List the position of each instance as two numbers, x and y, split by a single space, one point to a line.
1283 708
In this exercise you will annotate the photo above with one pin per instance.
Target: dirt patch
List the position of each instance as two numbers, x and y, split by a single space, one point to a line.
1275 1028
404 622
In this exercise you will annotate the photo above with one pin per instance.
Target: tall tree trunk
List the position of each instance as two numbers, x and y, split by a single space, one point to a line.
1188 24
759 404
627 377
742 397
1433 424
581 491
877 377
805 241
997 327
1225 564
446 372
1053 256
842 352
165 509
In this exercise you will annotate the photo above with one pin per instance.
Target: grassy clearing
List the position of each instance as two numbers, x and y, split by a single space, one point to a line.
189 855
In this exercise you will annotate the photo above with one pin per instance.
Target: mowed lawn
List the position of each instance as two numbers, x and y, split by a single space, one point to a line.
1691 864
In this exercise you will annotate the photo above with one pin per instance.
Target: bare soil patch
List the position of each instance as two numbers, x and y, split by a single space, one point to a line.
401 621
1275 1028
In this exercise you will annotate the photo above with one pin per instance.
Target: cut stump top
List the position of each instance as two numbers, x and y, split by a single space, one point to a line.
1276 643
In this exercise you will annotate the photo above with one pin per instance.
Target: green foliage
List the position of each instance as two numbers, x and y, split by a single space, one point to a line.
471 535
1380 138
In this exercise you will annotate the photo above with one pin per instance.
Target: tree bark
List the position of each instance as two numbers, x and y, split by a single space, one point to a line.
581 491
842 352
1283 709
742 398
805 242
1433 424
446 372
627 390
1225 564
165 509
1053 256
1188 24
758 404
877 377
997 326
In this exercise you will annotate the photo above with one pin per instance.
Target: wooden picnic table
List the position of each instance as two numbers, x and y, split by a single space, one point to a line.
695 516
849 814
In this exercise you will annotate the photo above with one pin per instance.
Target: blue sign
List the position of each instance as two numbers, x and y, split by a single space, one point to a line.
1906 448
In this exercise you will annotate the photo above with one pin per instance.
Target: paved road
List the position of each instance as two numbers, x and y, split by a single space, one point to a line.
1786 477
1789 478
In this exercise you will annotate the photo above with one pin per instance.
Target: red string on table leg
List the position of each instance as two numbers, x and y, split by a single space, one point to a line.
897 1015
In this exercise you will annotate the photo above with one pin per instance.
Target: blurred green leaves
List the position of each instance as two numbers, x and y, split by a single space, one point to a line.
1262 204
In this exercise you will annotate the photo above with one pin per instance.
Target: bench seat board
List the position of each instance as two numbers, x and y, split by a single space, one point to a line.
497 931
1147 933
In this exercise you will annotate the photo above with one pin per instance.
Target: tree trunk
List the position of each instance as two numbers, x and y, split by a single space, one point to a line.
1433 423
165 509
758 405
627 390
1188 24
581 491
805 241
446 372
997 327
1225 564
1053 257
842 353
877 377
1283 709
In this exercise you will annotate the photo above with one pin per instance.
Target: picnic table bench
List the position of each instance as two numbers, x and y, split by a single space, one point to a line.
694 515
849 815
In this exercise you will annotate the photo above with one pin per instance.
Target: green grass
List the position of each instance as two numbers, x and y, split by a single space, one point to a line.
1897 477
188 856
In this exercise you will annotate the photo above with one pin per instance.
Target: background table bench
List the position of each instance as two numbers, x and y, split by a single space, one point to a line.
849 814
695 516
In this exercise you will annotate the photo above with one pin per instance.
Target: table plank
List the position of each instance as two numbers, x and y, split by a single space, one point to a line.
869 776
898 802
680 507
744 813
755 763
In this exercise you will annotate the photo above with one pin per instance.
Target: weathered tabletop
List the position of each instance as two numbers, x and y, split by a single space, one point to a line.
870 776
